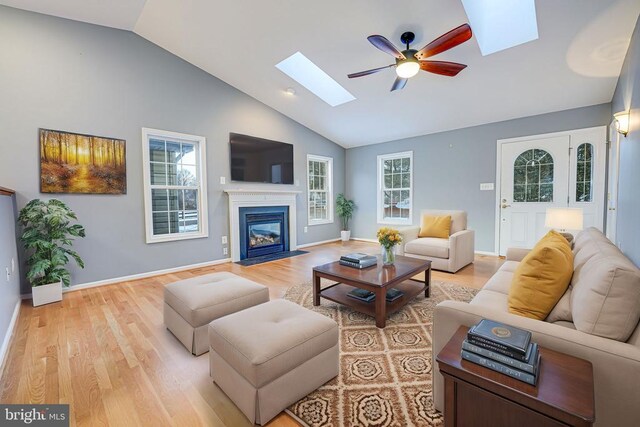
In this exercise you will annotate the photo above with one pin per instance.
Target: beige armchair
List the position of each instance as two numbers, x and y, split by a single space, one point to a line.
445 254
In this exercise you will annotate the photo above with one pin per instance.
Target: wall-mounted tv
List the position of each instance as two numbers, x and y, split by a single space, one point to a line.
260 160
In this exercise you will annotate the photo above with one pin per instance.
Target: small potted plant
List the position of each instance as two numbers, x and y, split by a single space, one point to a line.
389 238
344 209
47 237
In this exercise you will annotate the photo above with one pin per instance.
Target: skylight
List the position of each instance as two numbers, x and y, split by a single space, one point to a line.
500 24
309 75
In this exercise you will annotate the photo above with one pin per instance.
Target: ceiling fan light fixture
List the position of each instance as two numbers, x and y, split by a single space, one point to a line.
407 68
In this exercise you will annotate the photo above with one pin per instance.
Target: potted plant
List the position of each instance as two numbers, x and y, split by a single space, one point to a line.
389 238
344 209
47 237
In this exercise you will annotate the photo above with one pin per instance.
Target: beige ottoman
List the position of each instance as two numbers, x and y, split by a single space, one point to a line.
267 357
189 305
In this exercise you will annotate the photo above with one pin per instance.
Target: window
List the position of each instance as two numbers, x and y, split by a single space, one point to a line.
174 186
320 189
395 188
533 177
584 173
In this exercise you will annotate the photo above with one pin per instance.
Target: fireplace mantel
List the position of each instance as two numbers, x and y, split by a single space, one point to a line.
240 191
247 197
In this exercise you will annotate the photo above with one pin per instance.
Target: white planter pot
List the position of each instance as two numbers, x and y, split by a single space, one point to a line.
46 294
345 235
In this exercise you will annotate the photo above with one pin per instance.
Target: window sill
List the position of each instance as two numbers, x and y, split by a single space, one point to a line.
175 237
395 222
319 222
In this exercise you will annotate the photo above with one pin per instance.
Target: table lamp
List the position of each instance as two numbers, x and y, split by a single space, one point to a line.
564 219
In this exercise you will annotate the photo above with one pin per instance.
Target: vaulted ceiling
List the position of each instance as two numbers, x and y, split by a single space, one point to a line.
574 63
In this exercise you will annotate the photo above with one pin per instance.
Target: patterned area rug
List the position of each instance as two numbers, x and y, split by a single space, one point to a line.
385 374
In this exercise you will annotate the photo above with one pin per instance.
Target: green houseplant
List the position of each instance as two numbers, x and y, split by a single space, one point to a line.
344 209
47 236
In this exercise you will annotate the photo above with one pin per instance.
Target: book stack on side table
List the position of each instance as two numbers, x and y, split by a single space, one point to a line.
504 349
358 260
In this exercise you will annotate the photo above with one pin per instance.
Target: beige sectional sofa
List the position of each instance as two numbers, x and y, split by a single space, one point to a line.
596 319
445 254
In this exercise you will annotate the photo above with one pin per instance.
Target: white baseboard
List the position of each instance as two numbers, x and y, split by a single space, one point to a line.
138 276
307 245
8 335
361 239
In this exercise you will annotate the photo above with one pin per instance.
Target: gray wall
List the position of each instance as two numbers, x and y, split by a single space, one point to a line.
627 97
9 290
449 167
83 78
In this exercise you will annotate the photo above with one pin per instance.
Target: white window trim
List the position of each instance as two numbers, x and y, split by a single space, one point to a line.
147 133
329 160
394 221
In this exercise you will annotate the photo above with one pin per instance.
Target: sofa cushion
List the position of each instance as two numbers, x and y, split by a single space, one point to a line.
266 341
588 235
542 277
458 218
201 299
509 266
428 246
435 226
492 300
500 282
562 310
605 299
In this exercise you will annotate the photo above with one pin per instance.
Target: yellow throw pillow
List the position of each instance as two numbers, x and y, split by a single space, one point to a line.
435 226
542 277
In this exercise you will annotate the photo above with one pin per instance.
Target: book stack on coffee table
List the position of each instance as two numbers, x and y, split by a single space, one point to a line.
358 260
503 348
368 296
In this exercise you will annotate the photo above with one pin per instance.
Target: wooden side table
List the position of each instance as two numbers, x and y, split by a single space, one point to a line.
477 396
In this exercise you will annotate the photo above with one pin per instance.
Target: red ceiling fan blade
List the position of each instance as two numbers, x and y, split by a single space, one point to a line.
367 72
442 67
446 41
400 83
386 46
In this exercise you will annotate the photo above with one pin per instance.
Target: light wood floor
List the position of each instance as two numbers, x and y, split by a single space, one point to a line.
106 352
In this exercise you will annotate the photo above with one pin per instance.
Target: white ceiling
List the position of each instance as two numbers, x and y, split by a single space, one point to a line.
122 14
574 63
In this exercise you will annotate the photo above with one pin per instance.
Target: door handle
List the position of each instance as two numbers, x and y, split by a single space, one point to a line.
504 205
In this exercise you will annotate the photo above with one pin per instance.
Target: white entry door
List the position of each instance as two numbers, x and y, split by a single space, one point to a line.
560 170
534 177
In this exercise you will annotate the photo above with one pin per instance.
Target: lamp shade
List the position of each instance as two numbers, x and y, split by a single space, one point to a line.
564 218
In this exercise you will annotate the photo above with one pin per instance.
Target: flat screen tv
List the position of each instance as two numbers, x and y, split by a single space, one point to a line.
260 160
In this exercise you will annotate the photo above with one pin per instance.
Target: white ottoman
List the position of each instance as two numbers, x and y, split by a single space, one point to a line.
189 305
269 356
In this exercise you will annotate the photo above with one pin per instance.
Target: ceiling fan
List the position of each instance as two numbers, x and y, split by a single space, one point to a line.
410 61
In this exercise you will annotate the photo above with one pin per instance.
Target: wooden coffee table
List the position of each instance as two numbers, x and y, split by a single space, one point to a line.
377 279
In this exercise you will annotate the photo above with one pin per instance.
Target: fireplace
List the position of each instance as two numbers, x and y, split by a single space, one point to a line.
264 230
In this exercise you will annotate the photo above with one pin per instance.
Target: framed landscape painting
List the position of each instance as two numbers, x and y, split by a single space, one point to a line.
77 163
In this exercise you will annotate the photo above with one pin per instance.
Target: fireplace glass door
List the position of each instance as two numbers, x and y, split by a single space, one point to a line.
264 234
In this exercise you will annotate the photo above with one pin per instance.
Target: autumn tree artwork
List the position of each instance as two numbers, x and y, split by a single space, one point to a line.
76 163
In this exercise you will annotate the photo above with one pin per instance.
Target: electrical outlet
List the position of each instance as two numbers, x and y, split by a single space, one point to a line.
306 229
225 251
223 180
297 183
8 275
224 240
